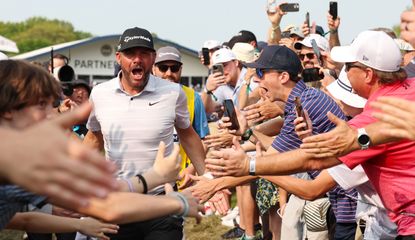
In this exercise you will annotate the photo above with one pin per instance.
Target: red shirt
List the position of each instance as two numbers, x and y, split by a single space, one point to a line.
389 167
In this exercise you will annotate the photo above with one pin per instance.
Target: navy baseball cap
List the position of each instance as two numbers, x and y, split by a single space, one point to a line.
278 58
135 37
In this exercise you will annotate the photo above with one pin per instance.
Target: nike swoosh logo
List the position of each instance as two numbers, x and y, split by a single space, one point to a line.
153 103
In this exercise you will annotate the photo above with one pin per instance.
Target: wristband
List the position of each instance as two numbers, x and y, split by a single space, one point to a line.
207 91
129 183
247 134
184 202
252 167
143 180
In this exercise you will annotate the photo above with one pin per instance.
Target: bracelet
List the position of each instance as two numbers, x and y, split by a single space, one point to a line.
275 28
184 203
129 183
252 166
247 134
143 180
333 31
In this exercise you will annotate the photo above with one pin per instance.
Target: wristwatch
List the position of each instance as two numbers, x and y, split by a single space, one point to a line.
363 139
247 134
252 167
207 91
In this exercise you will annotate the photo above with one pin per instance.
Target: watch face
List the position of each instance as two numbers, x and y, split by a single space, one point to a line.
363 139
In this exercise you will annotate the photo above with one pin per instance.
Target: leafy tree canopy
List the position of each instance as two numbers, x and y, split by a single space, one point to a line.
39 32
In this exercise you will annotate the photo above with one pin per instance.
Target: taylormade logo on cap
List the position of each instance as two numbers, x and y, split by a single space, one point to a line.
128 38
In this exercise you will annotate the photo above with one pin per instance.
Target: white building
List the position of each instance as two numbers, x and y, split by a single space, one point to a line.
93 59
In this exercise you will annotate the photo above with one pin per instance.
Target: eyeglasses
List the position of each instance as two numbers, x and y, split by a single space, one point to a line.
351 65
308 55
173 68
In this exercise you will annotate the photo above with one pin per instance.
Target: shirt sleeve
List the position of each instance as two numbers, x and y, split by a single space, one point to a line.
360 156
200 123
93 123
182 114
347 178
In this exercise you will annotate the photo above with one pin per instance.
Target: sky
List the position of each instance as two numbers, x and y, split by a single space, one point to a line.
191 22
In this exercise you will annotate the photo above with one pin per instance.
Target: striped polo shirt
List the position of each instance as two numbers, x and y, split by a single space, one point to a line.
133 125
317 104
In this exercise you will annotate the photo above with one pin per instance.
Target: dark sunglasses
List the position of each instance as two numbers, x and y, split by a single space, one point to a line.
349 66
173 68
309 56
259 72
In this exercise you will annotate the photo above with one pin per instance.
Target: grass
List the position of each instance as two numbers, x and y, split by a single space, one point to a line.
210 228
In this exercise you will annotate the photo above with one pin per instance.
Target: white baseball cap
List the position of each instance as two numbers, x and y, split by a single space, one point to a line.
321 41
403 45
3 56
211 44
342 89
244 52
223 55
374 49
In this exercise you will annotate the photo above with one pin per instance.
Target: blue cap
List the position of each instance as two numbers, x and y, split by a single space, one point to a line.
278 58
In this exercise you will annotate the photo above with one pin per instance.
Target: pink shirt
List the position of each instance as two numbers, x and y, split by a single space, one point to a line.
389 167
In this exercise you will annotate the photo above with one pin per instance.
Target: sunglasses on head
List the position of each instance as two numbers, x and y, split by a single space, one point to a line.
173 68
309 56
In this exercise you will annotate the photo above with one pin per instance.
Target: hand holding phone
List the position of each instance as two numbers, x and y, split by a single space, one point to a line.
230 112
300 112
290 7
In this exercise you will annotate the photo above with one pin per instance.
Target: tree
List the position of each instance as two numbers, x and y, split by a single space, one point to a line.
38 32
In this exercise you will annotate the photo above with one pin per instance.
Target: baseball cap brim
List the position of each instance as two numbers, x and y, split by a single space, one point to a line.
343 54
257 65
349 98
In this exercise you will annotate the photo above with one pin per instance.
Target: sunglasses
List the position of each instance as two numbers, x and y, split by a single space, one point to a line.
173 68
260 71
309 56
349 66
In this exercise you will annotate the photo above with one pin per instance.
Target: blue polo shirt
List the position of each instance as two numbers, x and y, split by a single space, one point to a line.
317 104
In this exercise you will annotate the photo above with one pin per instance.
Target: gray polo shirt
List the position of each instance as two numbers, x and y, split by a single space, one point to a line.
133 125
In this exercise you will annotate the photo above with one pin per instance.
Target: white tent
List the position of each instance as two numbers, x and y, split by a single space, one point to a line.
7 45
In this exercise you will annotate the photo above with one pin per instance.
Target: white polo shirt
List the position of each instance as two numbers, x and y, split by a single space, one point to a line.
133 125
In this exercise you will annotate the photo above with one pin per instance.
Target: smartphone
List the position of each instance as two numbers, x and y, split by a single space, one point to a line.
230 112
300 111
271 5
206 57
290 7
217 68
316 51
285 34
333 9
307 19
312 74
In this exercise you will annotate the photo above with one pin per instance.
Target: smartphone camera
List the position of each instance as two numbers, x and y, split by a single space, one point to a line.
217 68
